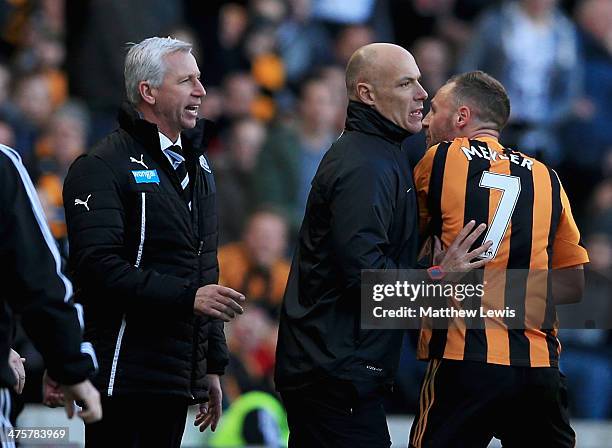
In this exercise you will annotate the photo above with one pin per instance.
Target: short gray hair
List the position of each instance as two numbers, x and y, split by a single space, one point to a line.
145 62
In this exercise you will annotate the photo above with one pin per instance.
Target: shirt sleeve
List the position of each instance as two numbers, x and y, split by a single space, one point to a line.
567 248
41 293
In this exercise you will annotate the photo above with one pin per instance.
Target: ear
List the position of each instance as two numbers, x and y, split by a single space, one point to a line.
147 93
365 93
464 116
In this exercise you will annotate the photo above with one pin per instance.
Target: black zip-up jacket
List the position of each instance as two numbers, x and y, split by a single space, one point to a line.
33 284
361 214
138 255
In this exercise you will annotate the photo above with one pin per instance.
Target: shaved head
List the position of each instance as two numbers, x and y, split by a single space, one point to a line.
386 78
371 63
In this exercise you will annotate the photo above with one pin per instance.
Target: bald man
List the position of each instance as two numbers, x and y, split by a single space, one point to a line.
361 214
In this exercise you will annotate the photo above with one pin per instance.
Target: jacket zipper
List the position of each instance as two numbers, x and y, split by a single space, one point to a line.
196 322
197 319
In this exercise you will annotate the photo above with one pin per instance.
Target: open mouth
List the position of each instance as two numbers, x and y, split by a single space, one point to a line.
193 109
417 113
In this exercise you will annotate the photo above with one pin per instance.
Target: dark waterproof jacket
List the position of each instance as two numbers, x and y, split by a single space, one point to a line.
361 214
33 284
138 255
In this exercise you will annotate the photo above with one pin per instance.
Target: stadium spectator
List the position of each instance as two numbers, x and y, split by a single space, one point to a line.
530 46
219 27
334 77
586 139
291 154
45 55
64 139
239 94
235 168
361 214
434 57
212 108
256 265
267 68
492 375
142 226
41 294
32 98
303 43
251 342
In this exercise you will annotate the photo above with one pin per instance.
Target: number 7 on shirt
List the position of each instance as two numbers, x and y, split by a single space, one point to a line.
510 186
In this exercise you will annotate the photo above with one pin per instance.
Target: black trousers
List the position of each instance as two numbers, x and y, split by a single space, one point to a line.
464 404
138 421
322 417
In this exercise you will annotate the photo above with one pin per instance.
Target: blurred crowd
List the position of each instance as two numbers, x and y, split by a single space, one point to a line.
274 75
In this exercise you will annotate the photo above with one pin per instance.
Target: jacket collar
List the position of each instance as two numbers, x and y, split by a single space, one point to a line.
194 140
363 118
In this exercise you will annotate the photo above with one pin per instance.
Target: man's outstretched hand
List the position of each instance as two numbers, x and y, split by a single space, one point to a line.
458 257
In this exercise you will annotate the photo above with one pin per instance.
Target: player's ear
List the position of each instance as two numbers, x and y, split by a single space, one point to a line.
365 93
464 115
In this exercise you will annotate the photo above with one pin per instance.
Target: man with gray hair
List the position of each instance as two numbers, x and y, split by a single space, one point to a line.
142 228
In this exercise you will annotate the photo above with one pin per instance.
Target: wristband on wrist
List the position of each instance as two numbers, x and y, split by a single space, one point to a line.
436 273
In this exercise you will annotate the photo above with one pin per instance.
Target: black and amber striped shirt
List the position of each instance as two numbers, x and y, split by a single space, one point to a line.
531 225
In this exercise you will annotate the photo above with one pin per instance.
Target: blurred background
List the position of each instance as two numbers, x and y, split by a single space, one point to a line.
274 75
